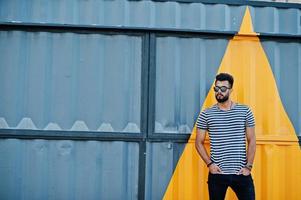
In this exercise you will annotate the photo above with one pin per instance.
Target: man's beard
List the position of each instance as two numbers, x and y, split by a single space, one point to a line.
223 99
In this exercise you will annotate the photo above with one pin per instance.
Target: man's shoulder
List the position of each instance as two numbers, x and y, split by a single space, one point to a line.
209 109
242 106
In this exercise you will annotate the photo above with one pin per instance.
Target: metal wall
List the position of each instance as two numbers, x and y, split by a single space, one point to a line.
65 169
124 13
70 81
68 84
210 16
185 69
185 73
162 158
98 98
285 59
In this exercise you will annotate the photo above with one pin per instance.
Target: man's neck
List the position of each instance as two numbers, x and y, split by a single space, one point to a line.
227 105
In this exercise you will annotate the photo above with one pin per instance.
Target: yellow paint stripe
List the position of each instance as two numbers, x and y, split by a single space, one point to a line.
246 27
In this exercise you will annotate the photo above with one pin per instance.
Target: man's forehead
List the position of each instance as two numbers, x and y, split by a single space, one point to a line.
222 83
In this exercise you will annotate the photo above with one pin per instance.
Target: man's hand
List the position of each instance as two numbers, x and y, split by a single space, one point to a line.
214 169
244 171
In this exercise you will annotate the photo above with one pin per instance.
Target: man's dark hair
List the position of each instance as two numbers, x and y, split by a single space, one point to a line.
225 77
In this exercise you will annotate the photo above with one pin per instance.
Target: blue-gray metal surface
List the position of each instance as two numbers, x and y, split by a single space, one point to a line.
124 13
185 68
285 60
70 81
276 20
150 14
161 156
41 169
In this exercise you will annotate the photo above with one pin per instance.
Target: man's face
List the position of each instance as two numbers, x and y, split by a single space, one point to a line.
222 91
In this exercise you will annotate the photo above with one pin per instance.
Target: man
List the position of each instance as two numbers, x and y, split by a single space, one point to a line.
229 125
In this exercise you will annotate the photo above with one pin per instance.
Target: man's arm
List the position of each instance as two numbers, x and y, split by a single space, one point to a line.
199 144
251 139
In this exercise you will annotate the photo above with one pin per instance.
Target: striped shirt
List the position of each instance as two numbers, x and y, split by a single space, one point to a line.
227 134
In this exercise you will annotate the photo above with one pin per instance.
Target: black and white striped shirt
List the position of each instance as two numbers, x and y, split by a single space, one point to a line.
227 133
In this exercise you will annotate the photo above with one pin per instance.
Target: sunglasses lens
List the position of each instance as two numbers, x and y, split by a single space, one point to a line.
224 89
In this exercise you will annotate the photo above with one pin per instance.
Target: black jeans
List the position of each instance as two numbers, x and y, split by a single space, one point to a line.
242 186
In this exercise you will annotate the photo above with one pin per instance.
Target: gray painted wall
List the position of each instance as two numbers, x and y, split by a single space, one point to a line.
65 169
70 81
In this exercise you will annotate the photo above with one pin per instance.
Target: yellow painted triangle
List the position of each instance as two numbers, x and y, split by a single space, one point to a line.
246 27
277 165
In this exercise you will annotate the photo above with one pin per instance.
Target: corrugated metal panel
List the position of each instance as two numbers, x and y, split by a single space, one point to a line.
161 161
41 169
285 60
125 13
284 1
149 14
69 81
276 20
185 68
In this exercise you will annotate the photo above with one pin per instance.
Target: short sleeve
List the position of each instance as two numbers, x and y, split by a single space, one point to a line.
250 121
201 122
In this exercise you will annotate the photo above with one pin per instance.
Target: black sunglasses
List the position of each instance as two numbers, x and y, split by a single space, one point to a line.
222 88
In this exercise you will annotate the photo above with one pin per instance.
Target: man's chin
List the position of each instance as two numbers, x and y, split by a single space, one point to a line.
221 100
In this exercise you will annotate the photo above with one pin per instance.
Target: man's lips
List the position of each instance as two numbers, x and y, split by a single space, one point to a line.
219 95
